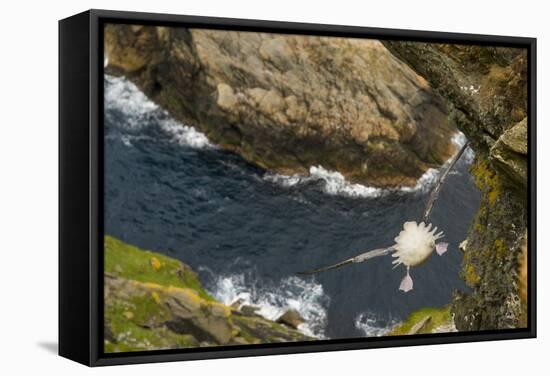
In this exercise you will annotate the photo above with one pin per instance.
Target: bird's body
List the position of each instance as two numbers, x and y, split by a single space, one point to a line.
415 243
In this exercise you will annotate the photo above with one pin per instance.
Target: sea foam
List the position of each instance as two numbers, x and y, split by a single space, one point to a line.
371 325
139 112
271 301
334 183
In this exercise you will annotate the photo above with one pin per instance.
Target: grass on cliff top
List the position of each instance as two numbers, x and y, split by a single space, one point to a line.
439 316
127 261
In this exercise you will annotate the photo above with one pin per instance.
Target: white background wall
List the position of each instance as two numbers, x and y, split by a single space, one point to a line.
28 185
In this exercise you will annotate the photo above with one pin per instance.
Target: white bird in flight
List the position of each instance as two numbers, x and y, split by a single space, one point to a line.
414 244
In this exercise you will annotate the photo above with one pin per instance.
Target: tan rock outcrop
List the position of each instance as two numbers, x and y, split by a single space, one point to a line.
289 102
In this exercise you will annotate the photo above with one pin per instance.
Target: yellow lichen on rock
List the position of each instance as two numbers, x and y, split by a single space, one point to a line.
155 297
486 179
470 275
155 263
500 249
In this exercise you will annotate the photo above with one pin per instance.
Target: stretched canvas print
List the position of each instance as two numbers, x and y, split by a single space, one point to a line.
264 188
240 187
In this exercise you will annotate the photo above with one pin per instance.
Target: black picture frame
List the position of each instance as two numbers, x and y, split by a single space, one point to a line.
81 187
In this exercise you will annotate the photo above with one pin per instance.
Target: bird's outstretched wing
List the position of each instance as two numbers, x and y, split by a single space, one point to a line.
356 259
384 251
434 194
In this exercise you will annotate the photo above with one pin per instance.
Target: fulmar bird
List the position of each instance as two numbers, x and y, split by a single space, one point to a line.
414 244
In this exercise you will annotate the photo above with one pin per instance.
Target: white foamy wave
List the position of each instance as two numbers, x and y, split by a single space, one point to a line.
306 297
459 139
374 326
425 183
128 139
286 180
124 96
184 134
334 183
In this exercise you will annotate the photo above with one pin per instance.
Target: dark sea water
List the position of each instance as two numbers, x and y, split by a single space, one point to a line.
247 232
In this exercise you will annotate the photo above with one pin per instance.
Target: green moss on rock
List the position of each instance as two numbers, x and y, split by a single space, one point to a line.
425 320
155 302
130 262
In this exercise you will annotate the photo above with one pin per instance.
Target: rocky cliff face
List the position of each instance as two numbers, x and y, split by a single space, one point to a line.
154 302
286 102
486 90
